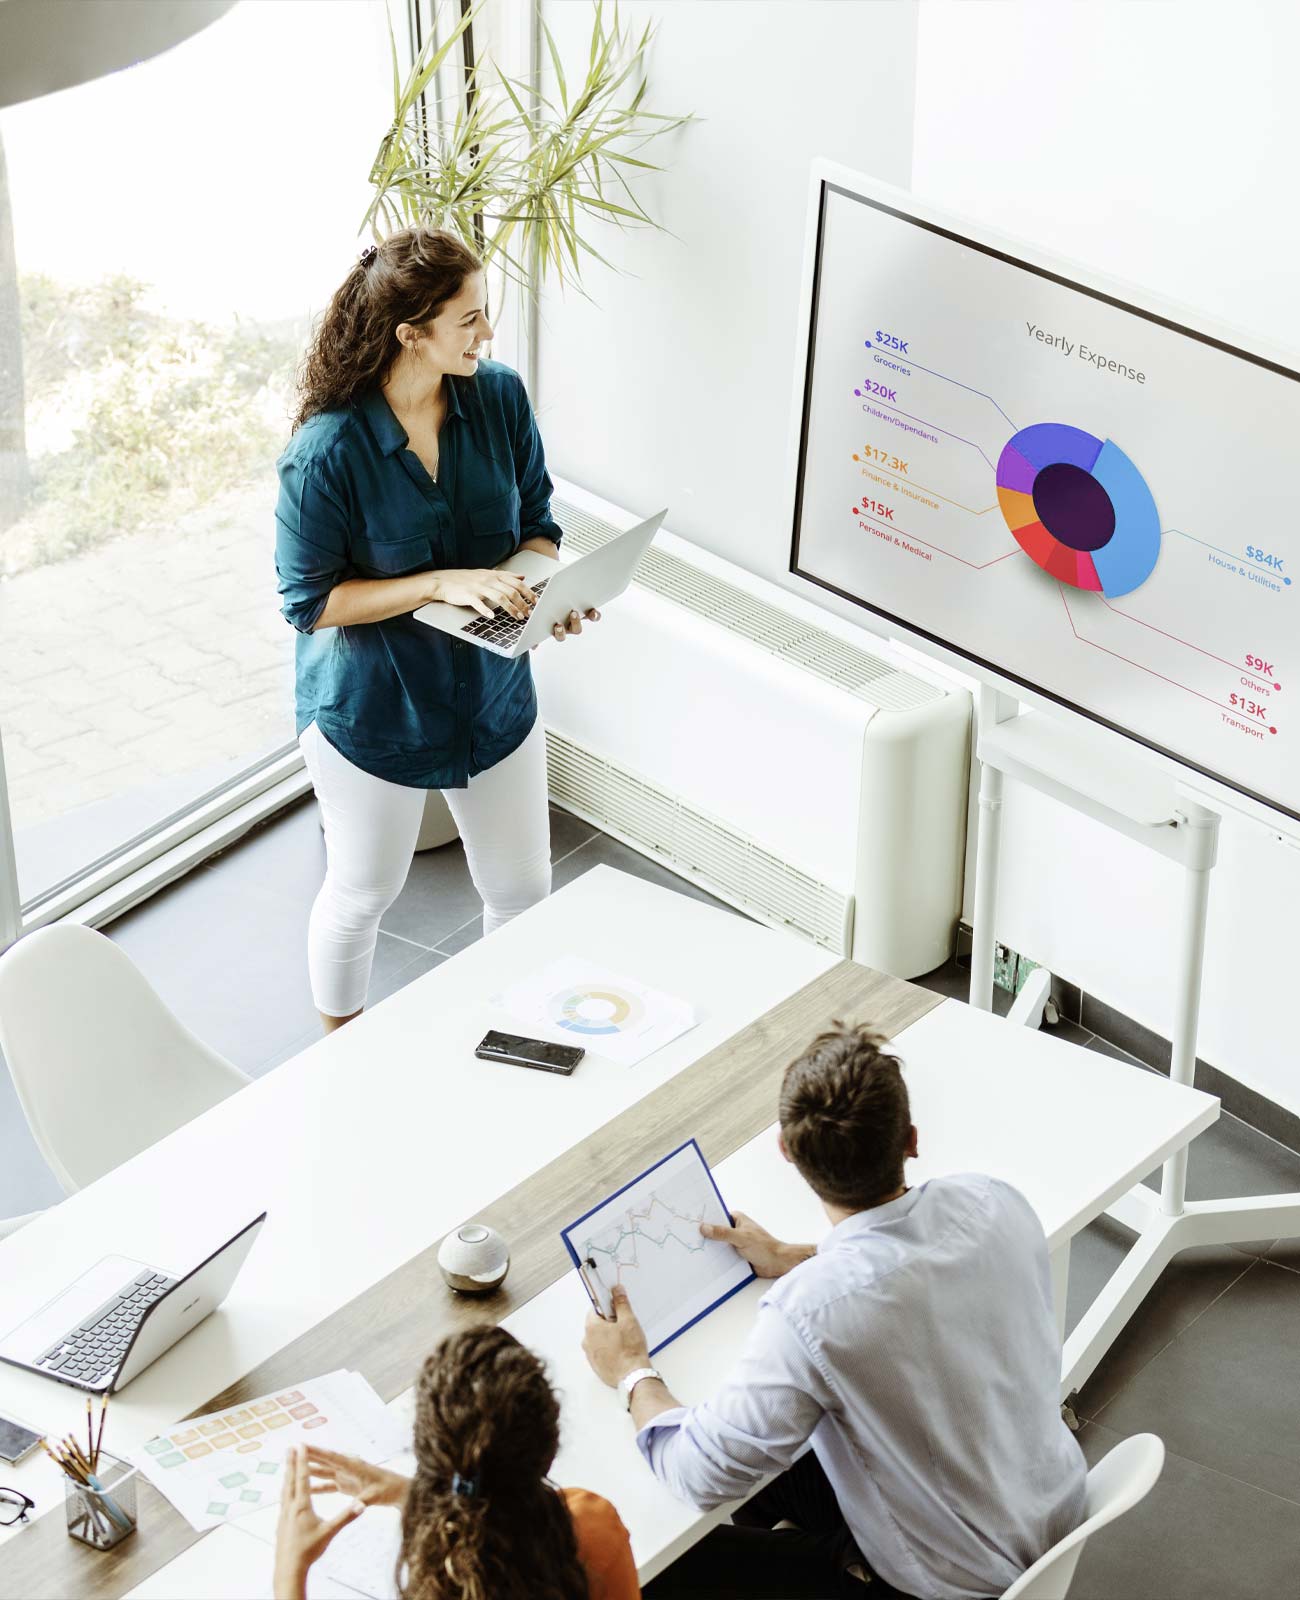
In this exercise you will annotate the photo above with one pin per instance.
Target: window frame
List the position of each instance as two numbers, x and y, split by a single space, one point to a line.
117 880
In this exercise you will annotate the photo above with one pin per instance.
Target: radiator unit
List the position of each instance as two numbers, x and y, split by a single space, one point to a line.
759 747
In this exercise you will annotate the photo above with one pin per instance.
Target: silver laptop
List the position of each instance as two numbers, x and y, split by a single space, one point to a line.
592 580
119 1317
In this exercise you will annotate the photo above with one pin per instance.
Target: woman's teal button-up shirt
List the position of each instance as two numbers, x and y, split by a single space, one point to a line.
398 699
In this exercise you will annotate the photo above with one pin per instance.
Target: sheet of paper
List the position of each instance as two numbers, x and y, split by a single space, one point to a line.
218 1468
647 1237
574 1001
364 1555
227 1565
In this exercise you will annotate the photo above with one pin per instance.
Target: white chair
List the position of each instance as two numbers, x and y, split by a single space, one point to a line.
102 1068
1115 1485
10 1225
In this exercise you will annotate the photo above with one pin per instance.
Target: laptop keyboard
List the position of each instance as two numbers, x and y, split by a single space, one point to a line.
501 628
94 1348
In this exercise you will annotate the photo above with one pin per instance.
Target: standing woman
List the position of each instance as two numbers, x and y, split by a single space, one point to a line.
414 468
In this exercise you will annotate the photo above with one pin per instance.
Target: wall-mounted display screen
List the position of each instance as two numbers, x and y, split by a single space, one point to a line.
1078 493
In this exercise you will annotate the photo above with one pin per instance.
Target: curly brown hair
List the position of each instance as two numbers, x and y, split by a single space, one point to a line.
845 1117
485 1411
411 276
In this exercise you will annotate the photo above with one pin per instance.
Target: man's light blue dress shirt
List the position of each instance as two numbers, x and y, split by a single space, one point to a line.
918 1351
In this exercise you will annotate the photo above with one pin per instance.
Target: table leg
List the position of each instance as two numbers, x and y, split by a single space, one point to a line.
1060 1283
986 888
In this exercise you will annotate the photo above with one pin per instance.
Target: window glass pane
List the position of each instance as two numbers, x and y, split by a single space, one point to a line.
175 228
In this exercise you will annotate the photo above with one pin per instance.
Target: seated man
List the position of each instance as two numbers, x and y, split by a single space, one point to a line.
915 1348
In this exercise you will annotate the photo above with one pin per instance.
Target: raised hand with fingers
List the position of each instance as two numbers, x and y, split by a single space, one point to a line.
334 1473
301 1537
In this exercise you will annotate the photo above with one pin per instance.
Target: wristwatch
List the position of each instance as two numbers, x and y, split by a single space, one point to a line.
628 1383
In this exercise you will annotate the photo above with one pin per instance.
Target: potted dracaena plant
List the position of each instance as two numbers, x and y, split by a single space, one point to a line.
506 168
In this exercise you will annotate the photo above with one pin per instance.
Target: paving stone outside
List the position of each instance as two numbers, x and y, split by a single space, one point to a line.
147 657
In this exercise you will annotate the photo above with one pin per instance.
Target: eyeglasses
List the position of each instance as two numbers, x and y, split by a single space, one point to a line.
14 1506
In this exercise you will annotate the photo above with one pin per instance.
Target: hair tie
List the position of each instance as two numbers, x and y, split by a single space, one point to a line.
368 254
464 1486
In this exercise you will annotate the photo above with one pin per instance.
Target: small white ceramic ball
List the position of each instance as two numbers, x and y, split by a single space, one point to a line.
474 1259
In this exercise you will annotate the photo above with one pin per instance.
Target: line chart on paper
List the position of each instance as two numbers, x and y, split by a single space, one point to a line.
647 1237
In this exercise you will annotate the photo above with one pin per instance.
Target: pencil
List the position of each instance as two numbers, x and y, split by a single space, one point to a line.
99 1437
90 1437
57 1460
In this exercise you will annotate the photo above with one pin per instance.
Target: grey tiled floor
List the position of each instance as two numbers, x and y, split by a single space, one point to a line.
1211 1362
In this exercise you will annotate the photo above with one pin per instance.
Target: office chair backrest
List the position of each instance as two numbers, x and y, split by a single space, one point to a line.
1115 1485
101 1067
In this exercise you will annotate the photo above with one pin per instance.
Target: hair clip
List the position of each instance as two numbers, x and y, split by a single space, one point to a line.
464 1486
368 254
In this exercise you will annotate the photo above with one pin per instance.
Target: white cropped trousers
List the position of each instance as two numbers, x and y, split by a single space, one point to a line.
371 826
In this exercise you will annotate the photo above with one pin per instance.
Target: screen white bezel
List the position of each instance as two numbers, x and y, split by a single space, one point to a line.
1217 791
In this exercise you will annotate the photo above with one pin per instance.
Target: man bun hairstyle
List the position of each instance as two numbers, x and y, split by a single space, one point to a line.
845 1117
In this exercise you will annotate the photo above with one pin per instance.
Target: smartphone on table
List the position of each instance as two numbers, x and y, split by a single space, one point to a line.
519 1050
16 1440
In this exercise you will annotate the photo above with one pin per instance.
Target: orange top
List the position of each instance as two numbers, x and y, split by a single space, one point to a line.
603 1546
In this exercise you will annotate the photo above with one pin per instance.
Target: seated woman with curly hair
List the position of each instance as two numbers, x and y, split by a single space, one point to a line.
480 1518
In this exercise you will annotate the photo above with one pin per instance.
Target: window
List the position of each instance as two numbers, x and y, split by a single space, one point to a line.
175 228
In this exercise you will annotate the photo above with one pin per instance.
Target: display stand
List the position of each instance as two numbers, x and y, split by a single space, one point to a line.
1146 804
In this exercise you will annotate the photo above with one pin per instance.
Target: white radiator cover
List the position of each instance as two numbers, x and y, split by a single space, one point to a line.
763 749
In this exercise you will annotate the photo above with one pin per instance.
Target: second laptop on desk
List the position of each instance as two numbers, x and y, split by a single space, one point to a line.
120 1316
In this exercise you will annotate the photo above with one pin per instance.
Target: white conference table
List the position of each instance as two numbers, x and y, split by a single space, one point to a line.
391 1127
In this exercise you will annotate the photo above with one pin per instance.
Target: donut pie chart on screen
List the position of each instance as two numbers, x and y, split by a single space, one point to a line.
1079 508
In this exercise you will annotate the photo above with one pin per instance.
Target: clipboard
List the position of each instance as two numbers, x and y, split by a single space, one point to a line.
646 1236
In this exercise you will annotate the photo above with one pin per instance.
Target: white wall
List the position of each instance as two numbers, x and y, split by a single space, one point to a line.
1157 141
1154 140
674 389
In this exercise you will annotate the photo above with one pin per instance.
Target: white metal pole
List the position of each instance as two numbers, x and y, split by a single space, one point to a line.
11 911
986 887
530 329
1201 851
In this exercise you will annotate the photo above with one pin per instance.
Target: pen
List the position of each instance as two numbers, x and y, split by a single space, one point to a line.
596 1299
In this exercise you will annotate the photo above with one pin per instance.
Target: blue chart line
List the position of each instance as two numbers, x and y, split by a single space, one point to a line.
635 1232
1231 554
1195 540
957 381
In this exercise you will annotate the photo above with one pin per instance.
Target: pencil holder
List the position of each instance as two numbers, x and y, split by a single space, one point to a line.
102 1517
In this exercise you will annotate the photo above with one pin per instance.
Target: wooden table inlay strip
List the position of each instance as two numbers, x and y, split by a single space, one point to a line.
722 1100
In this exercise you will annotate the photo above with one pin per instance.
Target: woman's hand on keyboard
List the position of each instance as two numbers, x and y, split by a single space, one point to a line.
484 589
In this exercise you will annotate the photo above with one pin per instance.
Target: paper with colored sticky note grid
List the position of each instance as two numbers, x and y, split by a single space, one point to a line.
223 1466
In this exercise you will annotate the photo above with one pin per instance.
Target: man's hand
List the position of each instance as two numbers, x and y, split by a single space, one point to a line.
301 1536
769 1257
615 1345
